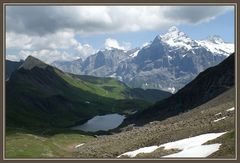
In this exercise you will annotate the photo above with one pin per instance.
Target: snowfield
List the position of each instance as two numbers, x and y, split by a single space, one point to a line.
191 147
79 145
198 151
219 119
219 47
134 54
231 109
141 150
218 114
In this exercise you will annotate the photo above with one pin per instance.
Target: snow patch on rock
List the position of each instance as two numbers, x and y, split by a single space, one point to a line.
191 147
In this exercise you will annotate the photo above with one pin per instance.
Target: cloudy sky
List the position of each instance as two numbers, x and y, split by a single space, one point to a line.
71 32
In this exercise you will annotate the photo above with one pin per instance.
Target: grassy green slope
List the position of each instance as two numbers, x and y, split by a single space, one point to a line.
24 144
42 98
112 88
107 87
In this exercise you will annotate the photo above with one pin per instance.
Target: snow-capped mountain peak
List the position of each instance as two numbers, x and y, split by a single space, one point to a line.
171 57
216 45
175 34
176 38
215 39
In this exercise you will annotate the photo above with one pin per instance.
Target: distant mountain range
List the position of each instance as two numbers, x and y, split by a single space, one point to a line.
168 62
206 86
41 96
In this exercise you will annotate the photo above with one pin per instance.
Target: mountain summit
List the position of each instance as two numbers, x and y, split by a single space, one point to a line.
174 33
32 62
176 38
215 39
168 62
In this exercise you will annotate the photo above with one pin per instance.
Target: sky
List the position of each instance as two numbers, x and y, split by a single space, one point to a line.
67 33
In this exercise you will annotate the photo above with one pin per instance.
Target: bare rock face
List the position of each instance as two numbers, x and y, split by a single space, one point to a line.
32 62
167 63
206 86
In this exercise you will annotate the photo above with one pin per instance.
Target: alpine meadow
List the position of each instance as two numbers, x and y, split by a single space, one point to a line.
120 82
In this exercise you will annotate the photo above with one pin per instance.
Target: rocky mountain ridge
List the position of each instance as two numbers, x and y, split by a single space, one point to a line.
168 63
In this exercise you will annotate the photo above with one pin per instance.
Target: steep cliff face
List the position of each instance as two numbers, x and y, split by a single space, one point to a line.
207 85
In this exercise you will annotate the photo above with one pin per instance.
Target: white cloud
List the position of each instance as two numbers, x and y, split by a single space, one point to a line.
40 20
113 43
85 50
17 40
51 30
58 40
57 46
45 55
12 57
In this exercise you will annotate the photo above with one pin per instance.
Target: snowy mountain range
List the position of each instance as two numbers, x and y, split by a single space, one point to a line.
168 62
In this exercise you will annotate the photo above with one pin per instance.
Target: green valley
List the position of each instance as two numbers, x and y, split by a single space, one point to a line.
50 98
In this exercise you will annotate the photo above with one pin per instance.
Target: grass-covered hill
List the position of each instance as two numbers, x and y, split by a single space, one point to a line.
40 96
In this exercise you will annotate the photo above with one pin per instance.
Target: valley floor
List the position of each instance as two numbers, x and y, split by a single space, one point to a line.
211 117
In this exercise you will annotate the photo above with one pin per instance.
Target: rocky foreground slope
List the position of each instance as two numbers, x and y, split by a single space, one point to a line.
198 121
